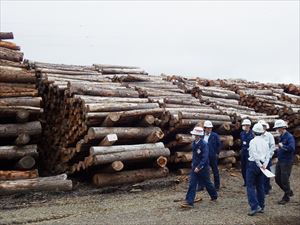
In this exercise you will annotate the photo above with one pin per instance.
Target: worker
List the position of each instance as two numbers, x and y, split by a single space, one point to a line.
246 136
200 169
214 145
258 159
285 154
268 137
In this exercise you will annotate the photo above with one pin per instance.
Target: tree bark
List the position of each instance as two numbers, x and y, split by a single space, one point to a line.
98 150
21 101
9 45
16 75
55 183
115 166
11 55
200 116
15 152
13 130
111 107
133 176
22 139
226 154
17 175
6 35
131 155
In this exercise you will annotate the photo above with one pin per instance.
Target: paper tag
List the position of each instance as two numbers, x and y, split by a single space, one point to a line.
244 142
198 151
267 173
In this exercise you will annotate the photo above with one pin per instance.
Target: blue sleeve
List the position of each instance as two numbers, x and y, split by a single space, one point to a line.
290 147
204 158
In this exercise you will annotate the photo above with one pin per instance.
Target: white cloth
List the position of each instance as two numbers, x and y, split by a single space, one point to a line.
206 137
268 137
259 151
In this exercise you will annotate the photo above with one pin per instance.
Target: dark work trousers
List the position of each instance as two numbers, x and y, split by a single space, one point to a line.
282 178
267 182
203 177
244 162
213 163
255 186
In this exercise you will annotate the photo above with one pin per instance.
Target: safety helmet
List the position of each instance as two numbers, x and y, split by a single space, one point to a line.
279 124
198 131
246 122
258 128
208 124
264 123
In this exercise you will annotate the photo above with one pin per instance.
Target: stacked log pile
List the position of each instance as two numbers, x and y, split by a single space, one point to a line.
20 128
99 127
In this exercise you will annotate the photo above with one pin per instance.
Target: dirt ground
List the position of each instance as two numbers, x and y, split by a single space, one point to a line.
152 202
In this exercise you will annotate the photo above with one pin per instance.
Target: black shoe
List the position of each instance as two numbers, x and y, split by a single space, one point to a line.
244 185
291 194
283 201
262 210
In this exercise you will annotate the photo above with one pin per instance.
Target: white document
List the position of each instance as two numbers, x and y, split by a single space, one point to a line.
267 173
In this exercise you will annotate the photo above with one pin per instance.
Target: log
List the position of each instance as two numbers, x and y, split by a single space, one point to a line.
125 177
6 35
11 55
17 152
224 128
98 99
183 157
148 120
200 116
115 166
16 75
13 130
4 62
231 160
226 154
22 139
102 66
122 132
183 171
219 94
54 183
22 116
25 163
227 141
21 101
161 162
186 123
17 175
112 107
155 137
109 140
121 71
130 155
9 45
98 150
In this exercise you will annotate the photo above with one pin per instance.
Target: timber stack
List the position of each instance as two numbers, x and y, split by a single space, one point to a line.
96 126
20 128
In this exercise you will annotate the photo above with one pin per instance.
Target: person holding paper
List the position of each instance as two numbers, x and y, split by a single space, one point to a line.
268 137
246 136
285 154
257 161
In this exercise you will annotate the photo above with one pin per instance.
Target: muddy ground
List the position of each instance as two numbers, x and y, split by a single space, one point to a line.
152 202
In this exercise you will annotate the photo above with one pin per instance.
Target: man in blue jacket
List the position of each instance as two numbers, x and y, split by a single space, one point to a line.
246 136
200 169
285 154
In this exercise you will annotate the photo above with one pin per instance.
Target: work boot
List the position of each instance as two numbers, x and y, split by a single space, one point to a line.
285 199
186 205
198 199
291 194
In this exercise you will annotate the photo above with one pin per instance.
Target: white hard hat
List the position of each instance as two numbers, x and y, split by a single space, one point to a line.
279 124
208 124
264 123
258 128
246 122
198 131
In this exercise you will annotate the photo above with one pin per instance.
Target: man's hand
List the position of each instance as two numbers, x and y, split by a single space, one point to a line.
263 167
280 145
196 170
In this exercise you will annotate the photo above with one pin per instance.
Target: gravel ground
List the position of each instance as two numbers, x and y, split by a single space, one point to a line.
152 202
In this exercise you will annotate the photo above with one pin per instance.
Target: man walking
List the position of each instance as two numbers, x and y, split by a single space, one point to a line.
268 137
258 159
200 169
285 154
246 136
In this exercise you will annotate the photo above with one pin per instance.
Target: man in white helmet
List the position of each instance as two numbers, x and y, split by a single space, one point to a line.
285 154
200 169
246 136
258 158
268 137
214 145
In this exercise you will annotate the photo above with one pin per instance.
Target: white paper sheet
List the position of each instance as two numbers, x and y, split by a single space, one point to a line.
267 173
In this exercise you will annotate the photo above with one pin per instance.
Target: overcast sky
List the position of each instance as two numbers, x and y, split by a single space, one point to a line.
221 39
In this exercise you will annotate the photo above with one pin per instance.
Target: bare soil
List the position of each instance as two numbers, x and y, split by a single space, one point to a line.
150 202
